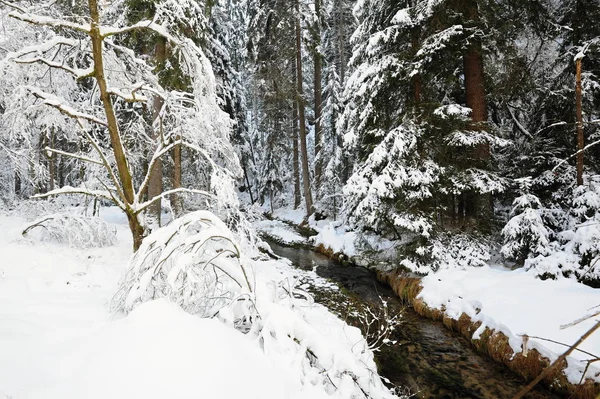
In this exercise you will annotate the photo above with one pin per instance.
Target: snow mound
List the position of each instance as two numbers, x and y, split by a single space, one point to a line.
159 351
337 239
76 231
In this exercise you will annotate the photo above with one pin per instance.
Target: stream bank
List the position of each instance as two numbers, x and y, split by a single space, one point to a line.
431 360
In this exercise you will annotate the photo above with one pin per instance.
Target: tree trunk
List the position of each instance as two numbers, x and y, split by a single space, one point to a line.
318 61
479 206
175 199
126 190
475 81
579 116
302 122
51 161
295 152
155 184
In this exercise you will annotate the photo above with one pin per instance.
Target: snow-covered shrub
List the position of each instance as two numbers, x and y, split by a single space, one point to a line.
576 250
77 231
194 262
525 235
459 251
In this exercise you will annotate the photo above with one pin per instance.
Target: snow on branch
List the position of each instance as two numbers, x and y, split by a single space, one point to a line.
75 156
43 47
139 208
49 21
194 261
77 231
132 96
160 151
73 190
106 31
61 105
78 73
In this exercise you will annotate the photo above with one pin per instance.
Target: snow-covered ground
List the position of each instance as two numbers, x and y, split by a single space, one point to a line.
517 303
280 231
58 339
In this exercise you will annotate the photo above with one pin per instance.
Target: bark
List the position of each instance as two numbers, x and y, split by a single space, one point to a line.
296 152
475 80
124 174
579 116
175 199
51 161
318 61
248 181
473 68
302 122
155 184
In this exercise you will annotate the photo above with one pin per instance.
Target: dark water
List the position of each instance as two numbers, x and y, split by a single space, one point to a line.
430 360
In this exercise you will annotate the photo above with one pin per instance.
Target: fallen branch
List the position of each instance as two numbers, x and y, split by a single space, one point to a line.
558 361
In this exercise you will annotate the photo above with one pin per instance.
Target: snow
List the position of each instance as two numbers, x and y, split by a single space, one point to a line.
280 231
160 351
58 338
295 216
338 239
516 303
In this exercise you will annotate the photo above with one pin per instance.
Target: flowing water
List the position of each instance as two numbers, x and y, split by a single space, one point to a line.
430 360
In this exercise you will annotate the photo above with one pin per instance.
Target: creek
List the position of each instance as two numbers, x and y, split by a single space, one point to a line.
429 359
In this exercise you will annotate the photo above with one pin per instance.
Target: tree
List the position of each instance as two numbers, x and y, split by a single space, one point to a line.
301 116
198 111
525 234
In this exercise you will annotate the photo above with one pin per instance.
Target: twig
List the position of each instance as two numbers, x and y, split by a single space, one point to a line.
563 344
562 357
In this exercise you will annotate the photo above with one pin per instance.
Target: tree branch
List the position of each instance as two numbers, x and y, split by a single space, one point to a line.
72 190
139 208
49 21
71 155
160 151
60 105
558 361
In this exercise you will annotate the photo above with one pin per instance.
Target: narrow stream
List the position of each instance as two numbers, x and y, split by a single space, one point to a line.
429 359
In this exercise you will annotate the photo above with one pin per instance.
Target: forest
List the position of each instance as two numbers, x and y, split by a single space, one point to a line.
163 157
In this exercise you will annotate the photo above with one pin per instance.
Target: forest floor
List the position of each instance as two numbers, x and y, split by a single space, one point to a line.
58 339
513 302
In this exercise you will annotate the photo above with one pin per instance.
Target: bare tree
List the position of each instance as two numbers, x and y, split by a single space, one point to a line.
93 39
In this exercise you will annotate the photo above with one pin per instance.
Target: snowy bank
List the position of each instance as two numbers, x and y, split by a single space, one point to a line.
281 232
516 304
494 308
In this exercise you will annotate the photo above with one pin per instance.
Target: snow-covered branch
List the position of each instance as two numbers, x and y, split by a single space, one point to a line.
78 73
73 190
106 31
160 151
61 105
167 193
75 156
106 164
132 96
49 21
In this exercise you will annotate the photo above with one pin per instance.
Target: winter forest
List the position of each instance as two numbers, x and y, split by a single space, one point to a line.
294 199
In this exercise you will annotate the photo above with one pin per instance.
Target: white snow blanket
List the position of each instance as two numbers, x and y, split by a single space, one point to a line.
517 303
58 339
